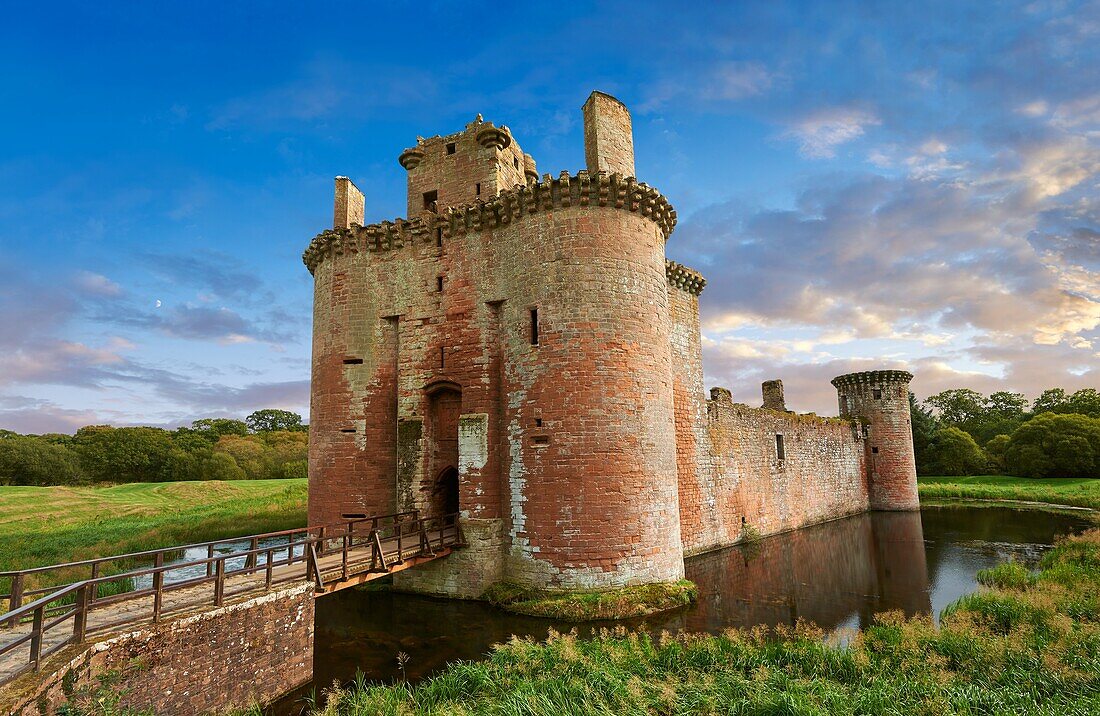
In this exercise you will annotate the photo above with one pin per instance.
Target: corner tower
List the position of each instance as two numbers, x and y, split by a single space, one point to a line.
881 397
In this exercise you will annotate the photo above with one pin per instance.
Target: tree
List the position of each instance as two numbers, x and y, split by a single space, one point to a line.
110 454
27 460
251 455
1055 445
955 453
995 452
1006 404
270 420
958 405
217 427
924 425
1084 402
1051 401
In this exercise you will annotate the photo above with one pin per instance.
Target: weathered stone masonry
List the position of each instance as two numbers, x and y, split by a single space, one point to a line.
521 350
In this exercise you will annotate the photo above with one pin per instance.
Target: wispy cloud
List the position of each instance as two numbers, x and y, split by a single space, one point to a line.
820 133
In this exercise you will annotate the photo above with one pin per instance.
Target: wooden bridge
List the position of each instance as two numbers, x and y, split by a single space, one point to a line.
98 599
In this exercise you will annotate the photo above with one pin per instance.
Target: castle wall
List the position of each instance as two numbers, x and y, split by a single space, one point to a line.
819 478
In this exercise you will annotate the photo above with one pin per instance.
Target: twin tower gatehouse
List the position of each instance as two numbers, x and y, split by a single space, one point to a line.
520 350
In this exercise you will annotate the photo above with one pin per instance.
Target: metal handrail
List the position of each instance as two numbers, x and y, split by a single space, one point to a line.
386 543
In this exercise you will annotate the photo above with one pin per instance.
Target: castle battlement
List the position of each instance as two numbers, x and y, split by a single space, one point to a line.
580 189
684 278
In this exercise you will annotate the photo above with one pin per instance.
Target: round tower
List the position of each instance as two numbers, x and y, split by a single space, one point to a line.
881 398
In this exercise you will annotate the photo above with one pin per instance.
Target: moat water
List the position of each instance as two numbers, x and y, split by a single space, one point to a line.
837 575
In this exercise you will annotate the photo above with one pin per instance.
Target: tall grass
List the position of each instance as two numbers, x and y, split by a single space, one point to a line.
1078 492
1027 644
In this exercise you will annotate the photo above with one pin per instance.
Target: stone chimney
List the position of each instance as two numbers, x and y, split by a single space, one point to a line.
773 395
349 205
608 140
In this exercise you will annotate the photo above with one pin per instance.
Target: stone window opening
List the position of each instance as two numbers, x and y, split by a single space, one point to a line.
477 189
442 357
450 148
538 422
347 430
439 284
430 199
534 326
515 162
874 450
439 236
354 516
353 361
877 393
780 448
540 440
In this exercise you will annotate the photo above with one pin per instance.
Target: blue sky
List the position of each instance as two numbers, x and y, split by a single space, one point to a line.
906 185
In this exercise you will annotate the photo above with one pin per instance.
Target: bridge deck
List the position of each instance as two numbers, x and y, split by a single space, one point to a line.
347 558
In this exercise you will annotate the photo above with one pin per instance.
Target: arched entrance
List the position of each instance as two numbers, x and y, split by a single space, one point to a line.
444 409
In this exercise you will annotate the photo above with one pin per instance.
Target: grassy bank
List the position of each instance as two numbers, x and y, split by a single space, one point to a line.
587 606
1026 644
1079 492
47 525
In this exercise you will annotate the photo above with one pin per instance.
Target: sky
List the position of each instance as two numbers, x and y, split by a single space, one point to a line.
864 185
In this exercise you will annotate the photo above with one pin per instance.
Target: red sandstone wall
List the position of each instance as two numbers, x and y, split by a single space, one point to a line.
821 477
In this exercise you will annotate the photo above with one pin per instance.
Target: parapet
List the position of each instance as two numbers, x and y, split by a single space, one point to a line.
684 278
583 189
871 377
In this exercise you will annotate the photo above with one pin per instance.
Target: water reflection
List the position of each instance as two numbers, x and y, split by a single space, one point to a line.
837 575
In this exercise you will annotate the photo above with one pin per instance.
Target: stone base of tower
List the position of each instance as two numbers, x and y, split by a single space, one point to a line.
468 571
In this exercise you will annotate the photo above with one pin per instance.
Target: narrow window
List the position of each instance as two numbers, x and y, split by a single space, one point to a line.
477 189
430 197
353 361
780 452
874 450
538 422
354 516
451 148
534 326
439 236
439 284
515 162
877 393
541 440
442 357
347 430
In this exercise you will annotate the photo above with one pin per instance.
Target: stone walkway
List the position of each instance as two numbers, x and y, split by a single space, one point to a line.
122 616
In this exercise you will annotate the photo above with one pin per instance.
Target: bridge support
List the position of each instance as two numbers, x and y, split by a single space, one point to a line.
255 650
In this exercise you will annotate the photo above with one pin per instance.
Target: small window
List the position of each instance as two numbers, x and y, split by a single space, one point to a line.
541 440
442 357
534 326
538 422
877 393
353 361
451 148
477 189
874 450
354 516
780 451
439 236
430 198
439 284
347 430
515 162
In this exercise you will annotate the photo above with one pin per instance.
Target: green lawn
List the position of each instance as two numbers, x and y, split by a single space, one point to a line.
1080 492
47 525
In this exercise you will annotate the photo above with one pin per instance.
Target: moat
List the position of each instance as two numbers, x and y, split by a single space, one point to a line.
837 575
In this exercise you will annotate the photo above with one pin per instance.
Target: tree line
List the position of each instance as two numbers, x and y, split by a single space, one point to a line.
962 432
267 444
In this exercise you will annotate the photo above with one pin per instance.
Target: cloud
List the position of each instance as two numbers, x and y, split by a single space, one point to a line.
221 274
97 285
819 133
717 83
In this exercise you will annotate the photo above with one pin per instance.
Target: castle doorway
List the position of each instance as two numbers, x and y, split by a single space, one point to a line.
444 408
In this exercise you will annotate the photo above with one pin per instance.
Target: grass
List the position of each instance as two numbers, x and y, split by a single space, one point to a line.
1029 643
1079 492
579 606
48 525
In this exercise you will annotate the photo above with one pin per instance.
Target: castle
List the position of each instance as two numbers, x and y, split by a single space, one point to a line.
520 350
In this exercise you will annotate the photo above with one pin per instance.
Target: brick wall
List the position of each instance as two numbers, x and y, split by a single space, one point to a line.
608 140
253 651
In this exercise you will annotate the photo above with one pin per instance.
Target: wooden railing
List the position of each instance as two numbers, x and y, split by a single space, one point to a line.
388 539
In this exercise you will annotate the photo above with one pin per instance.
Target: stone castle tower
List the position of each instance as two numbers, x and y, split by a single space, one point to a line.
881 397
520 350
